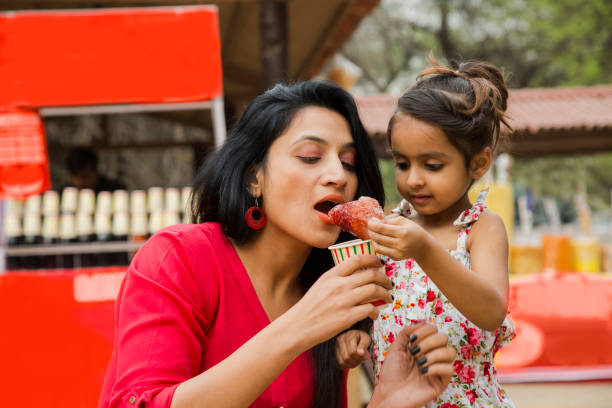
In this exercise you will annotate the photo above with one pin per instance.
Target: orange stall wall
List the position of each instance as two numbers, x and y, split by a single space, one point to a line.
57 335
109 56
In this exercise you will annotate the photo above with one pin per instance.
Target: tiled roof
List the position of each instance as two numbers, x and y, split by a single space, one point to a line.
531 110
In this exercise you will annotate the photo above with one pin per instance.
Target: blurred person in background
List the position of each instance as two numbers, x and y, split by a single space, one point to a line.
82 164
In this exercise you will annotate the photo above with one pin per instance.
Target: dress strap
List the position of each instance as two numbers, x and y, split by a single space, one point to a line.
470 216
404 209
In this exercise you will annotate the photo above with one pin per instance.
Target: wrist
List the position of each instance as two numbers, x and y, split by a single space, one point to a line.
424 244
378 397
291 333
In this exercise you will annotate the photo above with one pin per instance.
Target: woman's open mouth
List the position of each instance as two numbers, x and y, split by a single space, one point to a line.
323 207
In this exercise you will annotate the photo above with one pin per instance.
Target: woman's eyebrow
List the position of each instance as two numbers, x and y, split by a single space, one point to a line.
322 141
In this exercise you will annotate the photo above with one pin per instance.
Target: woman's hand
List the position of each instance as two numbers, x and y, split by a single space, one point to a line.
411 380
338 299
352 348
397 237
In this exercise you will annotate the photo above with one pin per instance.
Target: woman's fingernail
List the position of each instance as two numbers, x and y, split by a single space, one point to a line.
424 370
392 297
422 361
413 338
382 262
415 350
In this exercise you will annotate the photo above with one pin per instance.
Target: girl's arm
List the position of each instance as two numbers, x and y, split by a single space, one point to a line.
479 294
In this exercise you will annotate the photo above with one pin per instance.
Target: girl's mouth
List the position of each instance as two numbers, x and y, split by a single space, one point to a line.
420 199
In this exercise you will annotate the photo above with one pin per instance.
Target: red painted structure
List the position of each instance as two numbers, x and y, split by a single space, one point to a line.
57 325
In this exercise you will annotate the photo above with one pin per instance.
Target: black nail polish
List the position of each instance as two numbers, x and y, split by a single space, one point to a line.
415 350
422 361
382 262
413 338
424 370
392 297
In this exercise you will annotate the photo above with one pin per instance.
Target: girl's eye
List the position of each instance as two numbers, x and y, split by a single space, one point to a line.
309 159
433 167
402 166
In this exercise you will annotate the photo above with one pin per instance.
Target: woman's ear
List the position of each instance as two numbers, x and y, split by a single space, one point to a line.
256 181
481 163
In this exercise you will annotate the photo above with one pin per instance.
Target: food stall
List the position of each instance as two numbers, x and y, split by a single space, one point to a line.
57 324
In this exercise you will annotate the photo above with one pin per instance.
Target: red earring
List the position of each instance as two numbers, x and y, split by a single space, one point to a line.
255 217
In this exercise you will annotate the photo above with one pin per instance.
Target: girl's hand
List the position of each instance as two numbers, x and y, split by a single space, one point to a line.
338 299
408 380
352 348
397 237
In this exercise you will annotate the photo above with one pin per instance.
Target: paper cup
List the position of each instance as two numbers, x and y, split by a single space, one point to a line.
342 252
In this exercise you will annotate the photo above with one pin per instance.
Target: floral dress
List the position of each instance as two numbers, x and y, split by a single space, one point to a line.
416 298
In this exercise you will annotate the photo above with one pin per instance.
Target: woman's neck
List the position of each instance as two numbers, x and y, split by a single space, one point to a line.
273 260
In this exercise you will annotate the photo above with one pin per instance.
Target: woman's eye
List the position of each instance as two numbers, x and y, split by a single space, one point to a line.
309 159
349 166
402 165
433 167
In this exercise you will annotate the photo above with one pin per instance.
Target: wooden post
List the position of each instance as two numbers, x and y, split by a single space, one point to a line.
274 55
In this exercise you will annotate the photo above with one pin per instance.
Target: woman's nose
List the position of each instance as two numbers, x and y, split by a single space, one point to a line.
334 173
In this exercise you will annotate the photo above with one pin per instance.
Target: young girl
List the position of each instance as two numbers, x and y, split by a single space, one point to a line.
448 257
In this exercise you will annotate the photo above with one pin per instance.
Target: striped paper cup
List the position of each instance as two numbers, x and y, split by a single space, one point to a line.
342 252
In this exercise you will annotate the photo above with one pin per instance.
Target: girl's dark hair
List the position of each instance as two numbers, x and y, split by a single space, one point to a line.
468 104
220 191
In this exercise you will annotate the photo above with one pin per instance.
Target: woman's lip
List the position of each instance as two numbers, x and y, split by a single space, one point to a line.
336 198
325 218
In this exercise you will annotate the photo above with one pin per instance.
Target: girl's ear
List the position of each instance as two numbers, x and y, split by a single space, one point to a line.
480 163
255 181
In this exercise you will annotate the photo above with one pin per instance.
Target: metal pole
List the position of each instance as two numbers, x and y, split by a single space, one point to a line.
2 240
218 117
274 48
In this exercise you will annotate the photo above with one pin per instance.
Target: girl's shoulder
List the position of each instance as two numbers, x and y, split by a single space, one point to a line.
488 225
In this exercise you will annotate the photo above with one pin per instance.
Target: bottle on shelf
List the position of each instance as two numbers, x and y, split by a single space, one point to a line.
102 228
171 218
138 202
68 236
69 200
32 204
87 201
50 236
156 222
85 234
14 237
139 228
50 203
172 200
121 200
105 202
120 230
155 199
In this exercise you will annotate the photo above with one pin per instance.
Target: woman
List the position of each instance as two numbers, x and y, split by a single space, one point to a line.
239 309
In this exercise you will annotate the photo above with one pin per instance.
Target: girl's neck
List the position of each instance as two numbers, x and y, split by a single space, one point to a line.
447 216
274 261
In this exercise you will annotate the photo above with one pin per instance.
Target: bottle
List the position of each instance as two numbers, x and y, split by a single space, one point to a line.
120 201
32 204
69 200
172 199
67 236
85 234
104 204
50 236
186 205
138 202
121 228
14 237
171 218
87 201
50 203
155 199
156 222
138 228
102 228
32 235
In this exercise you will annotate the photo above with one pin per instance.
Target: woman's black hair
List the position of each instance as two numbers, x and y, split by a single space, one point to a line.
220 191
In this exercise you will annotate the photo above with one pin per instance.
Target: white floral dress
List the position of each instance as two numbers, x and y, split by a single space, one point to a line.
416 298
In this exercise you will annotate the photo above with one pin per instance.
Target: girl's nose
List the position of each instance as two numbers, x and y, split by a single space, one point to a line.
414 179
334 173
